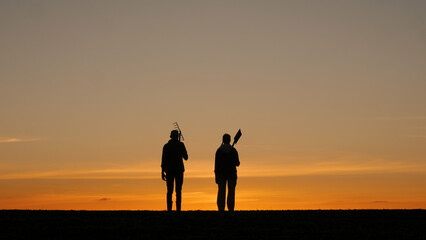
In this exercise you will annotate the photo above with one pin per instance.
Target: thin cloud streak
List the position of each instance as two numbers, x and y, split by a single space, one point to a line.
336 168
417 136
130 173
319 168
18 140
404 118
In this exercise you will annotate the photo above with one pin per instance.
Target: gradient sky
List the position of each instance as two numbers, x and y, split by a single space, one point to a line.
330 97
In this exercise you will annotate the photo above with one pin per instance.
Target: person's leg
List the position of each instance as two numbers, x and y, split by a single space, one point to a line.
221 194
179 183
170 181
232 182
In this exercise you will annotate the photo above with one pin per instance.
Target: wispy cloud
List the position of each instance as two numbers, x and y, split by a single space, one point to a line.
343 165
348 165
403 118
380 202
417 136
124 173
18 140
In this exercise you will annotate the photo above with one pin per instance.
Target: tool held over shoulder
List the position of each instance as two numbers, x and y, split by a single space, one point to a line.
176 125
237 137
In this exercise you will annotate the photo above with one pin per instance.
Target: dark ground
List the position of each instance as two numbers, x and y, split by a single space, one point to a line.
314 224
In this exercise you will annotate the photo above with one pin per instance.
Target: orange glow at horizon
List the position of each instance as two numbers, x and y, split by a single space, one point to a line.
353 191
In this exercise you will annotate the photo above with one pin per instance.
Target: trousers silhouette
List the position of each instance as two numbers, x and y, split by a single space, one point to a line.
172 179
221 195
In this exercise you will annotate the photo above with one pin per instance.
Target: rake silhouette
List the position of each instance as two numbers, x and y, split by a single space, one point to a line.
176 125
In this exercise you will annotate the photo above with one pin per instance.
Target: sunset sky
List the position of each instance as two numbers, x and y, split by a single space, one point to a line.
330 97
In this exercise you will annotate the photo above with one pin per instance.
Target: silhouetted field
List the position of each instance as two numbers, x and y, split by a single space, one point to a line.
315 224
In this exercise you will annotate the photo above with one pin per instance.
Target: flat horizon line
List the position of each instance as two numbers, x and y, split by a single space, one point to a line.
282 210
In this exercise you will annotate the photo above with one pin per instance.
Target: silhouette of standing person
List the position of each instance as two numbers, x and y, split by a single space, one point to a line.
226 163
172 168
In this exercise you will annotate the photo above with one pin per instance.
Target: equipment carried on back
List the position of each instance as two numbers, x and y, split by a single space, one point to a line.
176 125
237 137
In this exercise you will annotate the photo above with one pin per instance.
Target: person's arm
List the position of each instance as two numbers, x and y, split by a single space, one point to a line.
237 159
184 152
163 164
216 167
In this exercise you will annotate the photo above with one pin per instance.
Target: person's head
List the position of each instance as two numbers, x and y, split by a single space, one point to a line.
174 135
226 139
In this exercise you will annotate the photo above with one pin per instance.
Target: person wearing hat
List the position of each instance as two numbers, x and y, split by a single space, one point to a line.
226 163
172 168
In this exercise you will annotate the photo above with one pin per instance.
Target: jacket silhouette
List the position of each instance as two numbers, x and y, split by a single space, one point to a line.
172 168
226 163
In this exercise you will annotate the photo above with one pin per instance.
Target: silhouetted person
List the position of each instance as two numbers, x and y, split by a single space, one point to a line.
172 168
225 168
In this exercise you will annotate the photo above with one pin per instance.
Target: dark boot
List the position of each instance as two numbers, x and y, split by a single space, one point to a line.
169 206
178 201
178 204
